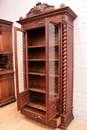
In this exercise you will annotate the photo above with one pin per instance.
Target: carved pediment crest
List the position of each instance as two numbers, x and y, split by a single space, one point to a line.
39 8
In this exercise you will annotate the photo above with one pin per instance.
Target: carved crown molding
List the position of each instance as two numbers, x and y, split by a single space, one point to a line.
39 8
45 9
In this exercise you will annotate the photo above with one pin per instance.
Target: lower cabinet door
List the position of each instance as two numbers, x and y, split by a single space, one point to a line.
53 109
7 91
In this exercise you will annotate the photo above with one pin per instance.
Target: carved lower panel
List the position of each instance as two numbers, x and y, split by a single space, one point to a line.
64 66
31 113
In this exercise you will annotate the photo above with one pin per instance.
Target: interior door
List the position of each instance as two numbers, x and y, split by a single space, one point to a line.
20 67
52 68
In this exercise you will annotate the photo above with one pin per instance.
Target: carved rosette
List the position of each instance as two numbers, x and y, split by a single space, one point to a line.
64 66
40 22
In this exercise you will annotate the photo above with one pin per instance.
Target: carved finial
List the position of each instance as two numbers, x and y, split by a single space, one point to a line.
62 5
21 18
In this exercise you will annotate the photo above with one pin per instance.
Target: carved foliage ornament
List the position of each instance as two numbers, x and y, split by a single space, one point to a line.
39 8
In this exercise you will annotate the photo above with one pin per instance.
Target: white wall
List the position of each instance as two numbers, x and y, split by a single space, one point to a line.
13 9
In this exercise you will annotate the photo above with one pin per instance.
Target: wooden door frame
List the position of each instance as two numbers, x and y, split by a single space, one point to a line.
23 97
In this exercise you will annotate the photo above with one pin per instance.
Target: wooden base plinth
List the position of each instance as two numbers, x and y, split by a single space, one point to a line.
63 126
6 102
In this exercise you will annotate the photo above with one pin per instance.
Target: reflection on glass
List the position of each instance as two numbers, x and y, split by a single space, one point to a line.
53 62
21 75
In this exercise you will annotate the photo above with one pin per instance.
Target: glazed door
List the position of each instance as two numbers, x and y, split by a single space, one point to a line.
21 69
52 68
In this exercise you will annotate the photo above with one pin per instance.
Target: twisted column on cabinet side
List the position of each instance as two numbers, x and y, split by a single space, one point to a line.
48 59
23 60
64 66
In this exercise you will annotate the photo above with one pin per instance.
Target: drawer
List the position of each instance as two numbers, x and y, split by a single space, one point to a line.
38 117
34 114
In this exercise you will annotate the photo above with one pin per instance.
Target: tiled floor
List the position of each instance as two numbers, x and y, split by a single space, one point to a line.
11 119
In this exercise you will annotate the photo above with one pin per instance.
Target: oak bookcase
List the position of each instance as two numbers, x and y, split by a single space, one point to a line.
45 81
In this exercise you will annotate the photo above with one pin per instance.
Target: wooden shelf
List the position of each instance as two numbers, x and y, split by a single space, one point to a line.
50 45
37 103
51 75
38 46
42 74
36 73
53 60
36 59
40 89
43 60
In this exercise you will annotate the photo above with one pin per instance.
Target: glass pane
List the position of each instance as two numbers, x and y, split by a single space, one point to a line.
21 61
53 62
